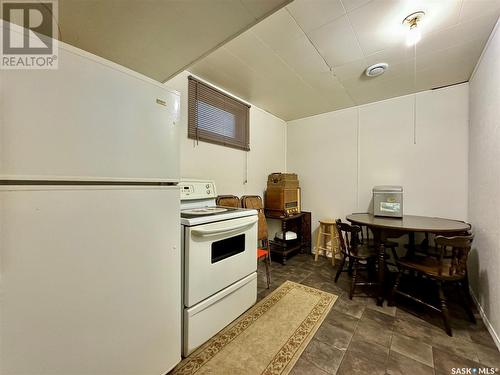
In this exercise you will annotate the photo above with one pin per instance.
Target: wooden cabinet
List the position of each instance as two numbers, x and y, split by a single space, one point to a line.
299 223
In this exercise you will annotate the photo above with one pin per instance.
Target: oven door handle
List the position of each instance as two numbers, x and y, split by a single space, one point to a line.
225 230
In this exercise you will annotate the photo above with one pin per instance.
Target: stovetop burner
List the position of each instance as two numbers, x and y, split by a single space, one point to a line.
205 211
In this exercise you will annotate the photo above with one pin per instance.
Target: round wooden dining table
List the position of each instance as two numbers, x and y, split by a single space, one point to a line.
384 227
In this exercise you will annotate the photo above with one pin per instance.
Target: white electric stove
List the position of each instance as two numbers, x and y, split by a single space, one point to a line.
219 262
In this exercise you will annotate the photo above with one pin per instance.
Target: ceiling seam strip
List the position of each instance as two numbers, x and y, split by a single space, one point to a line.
332 70
353 30
290 67
310 41
460 12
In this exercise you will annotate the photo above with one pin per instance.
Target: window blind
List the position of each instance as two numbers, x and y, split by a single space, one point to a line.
216 117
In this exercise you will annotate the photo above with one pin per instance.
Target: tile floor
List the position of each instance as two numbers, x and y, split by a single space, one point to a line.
358 337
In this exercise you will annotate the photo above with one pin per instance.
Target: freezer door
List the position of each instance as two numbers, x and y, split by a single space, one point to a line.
90 281
89 119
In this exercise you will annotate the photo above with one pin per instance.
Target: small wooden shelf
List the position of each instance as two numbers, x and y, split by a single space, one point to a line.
301 224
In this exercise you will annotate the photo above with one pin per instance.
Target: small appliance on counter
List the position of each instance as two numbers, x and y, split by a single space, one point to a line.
388 201
286 236
282 196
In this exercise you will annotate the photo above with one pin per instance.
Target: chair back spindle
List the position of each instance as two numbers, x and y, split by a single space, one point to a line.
348 237
457 248
255 202
228 201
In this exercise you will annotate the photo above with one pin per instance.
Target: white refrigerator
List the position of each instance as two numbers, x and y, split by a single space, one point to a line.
89 221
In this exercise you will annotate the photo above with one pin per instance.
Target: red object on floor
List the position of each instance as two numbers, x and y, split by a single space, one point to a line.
261 253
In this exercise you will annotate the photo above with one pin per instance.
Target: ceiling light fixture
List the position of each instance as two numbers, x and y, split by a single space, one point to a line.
412 20
376 70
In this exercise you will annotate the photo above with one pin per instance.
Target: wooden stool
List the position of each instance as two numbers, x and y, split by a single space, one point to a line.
327 229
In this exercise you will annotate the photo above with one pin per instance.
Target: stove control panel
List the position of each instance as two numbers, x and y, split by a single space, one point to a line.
197 189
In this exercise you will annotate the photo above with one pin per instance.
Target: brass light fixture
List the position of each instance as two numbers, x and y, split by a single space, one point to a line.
412 20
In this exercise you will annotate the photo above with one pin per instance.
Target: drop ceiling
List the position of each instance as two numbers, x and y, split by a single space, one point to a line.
309 57
158 38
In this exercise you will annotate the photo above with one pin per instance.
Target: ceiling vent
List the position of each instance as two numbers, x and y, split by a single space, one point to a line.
376 70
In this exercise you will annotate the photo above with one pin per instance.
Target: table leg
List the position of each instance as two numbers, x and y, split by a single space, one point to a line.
411 244
379 241
381 274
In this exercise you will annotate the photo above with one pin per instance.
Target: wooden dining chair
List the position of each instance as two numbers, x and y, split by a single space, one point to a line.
449 267
428 247
263 250
367 239
227 201
359 256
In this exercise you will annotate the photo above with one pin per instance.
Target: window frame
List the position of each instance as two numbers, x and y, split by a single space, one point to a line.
199 90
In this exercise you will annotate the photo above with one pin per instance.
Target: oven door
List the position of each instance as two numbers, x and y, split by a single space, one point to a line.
217 255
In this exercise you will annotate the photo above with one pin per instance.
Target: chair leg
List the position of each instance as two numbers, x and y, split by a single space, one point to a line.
354 276
444 309
318 242
465 285
267 262
332 243
394 255
392 299
341 267
467 302
349 267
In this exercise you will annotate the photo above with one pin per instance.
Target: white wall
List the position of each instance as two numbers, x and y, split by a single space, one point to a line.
484 182
227 166
341 155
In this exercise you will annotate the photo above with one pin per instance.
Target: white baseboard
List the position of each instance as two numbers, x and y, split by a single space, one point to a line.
486 321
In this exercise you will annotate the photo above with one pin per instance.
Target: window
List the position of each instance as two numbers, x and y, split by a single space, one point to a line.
216 117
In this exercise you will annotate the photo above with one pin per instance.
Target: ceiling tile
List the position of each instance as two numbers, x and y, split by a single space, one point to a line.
330 89
449 66
311 14
259 57
378 23
354 69
444 75
221 66
260 8
478 28
301 56
350 5
371 91
293 100
476 8
276 67
466 55
336 42
391 56
156 38
400 70
278 30
438 14
440 76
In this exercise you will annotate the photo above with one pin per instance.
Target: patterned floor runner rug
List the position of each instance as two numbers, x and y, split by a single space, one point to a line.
267 339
